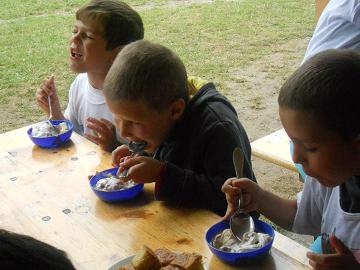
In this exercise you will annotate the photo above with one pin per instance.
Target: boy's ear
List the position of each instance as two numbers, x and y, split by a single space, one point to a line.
177 108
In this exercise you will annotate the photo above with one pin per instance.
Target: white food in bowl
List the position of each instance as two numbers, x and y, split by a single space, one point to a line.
226 241
44 129
112 183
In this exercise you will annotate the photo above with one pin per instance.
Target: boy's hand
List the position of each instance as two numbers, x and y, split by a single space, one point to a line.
48 89
343 259
105 133
119 154
141 169
251 193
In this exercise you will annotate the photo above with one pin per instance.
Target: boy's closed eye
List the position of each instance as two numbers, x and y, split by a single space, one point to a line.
83 35
310 148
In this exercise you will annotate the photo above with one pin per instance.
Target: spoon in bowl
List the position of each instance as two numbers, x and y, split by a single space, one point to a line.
240 222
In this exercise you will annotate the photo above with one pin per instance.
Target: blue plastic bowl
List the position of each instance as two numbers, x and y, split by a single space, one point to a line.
115 195
52 141
237 257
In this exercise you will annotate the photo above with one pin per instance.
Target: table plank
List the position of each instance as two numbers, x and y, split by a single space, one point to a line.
274 148
45 193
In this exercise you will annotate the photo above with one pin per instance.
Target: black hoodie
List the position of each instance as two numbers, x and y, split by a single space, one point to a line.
198 153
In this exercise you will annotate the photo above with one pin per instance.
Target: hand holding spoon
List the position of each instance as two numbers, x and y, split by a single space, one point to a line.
240 222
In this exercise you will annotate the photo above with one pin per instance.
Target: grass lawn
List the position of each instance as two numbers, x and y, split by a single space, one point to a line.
211 37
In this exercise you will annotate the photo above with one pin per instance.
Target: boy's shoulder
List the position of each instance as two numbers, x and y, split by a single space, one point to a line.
81 77
81 80
209 100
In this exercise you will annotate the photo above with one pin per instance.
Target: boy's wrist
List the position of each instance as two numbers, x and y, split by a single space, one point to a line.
58 116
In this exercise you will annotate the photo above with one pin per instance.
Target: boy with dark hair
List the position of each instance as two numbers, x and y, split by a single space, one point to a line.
102 29
18 252
191 138
318 107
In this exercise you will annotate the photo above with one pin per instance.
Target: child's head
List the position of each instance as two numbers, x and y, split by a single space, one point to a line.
102 28
146 90
319 109
24 252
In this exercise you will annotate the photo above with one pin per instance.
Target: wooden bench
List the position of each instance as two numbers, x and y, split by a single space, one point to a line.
275 148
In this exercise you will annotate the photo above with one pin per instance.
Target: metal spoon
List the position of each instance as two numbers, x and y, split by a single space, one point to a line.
240 222
135 147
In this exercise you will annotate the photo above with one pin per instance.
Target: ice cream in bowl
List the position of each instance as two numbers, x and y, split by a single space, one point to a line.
51 133
252 247
110 188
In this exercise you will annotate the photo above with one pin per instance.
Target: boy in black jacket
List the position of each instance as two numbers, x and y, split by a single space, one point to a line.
191 138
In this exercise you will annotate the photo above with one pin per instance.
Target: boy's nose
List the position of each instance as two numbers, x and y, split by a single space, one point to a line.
125 130
75 38
297 154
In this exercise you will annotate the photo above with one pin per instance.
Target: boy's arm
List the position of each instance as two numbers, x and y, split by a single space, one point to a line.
254 198
279 210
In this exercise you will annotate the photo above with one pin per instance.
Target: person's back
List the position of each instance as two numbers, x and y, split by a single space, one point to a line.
191 139
19 252
338 27
101 30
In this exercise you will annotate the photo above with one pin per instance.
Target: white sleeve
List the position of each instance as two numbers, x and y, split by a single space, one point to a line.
355 15
309 208
71 112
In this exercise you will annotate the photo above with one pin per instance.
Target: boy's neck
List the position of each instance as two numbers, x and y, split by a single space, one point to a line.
96 80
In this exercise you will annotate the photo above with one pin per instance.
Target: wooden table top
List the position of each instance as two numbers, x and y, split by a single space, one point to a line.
45 193
275 148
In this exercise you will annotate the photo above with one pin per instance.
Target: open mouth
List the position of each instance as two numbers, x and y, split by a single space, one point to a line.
75 55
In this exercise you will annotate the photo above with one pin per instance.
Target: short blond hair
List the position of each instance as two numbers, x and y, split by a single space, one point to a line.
119 23
148 72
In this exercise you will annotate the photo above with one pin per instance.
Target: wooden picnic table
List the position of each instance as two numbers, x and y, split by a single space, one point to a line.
45 193
275 148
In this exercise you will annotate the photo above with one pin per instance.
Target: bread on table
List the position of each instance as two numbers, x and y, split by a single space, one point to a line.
188 261
165 256
171 267
145 259
126 267
164 259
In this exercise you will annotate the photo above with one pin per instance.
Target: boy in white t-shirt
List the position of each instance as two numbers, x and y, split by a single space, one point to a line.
338 27
102 29
319 109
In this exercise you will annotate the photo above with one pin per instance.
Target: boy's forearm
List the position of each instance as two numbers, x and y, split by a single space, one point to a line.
58 116
279 210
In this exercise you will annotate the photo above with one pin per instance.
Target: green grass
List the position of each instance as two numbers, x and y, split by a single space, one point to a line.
212 39
17 9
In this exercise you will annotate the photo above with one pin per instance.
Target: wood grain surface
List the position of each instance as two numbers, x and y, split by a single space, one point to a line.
45 193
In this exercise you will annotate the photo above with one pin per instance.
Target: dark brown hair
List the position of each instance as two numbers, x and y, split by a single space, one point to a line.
119 23
19 251
328 87
148 72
